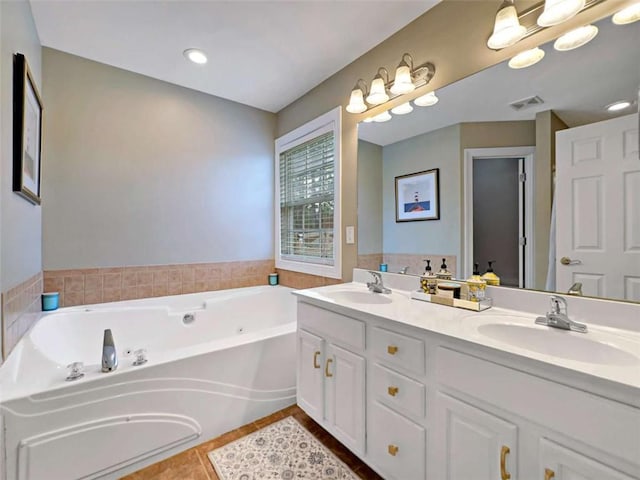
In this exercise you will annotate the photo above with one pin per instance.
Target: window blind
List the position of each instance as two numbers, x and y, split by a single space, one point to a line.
307 201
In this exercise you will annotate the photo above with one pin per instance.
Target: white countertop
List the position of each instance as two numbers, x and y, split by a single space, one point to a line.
621 367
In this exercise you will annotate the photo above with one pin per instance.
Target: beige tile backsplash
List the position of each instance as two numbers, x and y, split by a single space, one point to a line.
20 307
98 285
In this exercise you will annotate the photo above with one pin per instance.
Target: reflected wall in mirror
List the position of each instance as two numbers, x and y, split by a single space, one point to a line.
502 209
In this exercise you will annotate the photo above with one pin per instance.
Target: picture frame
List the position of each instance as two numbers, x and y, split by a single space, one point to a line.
27 132
418 196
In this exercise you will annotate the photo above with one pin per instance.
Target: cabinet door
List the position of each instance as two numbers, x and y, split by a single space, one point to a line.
560 463
345 410
310 393
479 445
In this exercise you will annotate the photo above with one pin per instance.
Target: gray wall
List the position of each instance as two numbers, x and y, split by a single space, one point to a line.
20 221
437 149
369 198
143 172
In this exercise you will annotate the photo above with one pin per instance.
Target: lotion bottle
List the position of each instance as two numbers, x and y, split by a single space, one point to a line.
490 276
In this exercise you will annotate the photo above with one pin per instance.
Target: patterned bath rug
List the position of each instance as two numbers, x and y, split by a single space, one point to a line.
284 450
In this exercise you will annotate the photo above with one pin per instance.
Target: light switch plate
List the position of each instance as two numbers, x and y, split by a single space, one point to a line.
351 235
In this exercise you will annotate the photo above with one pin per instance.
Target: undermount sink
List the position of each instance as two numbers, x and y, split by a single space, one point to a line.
581 347
358 297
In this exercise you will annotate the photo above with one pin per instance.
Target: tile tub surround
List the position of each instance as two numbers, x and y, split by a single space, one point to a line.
304 280
100 285
20 308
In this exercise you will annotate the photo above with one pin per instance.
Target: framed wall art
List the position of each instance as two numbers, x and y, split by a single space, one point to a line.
418 196
27 132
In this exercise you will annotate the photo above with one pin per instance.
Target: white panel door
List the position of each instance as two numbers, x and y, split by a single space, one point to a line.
479 445
345 409
560 463
310 394
598 208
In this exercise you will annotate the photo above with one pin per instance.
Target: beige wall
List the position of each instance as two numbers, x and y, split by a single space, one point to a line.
369 169
143 172
453 36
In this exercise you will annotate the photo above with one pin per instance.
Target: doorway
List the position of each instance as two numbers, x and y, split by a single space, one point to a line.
498 213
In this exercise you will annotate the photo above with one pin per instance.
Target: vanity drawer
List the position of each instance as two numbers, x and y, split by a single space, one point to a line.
395 444
342 330
399 350
397 391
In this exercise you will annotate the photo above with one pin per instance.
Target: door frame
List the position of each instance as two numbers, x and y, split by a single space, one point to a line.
470 154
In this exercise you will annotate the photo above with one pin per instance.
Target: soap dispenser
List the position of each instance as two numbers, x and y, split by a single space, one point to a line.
429 281
476 285
444 274
490 276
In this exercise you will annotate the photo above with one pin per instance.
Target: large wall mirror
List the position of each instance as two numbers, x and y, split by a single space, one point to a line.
556 212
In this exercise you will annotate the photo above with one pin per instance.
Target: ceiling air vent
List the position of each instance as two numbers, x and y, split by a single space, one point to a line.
526 103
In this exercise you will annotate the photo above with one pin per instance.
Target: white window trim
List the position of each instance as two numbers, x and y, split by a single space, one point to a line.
331 120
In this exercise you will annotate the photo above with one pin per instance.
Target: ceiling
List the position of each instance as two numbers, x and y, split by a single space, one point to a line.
576 85
264 53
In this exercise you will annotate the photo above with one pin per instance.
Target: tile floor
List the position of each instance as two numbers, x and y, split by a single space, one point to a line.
193 464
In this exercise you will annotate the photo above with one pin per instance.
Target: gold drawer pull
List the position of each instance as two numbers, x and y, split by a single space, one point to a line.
393 391
326 369
549 474
315 359
504 475
393 450
392 349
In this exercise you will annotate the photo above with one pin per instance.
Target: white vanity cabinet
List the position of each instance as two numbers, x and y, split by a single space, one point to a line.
438 407
331 373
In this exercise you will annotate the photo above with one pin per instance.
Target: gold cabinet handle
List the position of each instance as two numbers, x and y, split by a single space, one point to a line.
392 349
393 391
504 475
549 474
393 450
326 368
315 359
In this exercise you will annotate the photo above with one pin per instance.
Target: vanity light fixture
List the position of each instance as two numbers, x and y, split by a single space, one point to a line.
627 15
356 101
382 117
378 93
558 11
575 38
403 83
527 58
408 78
195 55
368 120
427 100
617 106
506 29
402 109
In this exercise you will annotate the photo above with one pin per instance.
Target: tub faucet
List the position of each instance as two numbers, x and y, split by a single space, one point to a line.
109 356
377 286
558 317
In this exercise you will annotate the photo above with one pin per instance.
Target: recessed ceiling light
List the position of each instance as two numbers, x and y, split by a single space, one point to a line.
195 55
402 109
575 38
617 106
527 58
627 15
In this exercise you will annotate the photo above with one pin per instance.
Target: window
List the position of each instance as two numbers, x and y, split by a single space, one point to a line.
308 198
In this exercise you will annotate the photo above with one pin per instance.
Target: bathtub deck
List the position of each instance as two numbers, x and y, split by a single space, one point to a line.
193 464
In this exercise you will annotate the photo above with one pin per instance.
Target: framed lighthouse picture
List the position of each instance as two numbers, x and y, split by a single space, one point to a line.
418 196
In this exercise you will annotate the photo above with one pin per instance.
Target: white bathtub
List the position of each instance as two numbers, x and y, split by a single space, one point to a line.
233 364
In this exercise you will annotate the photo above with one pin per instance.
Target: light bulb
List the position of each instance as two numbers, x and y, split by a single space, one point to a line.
356 102
575 38
402 109
402 83
506 29
382 117
558 11
377 93
627 15
195 55
527 58
426 100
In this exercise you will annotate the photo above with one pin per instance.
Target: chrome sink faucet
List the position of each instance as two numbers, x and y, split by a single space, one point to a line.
377 286
558 317
109 355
